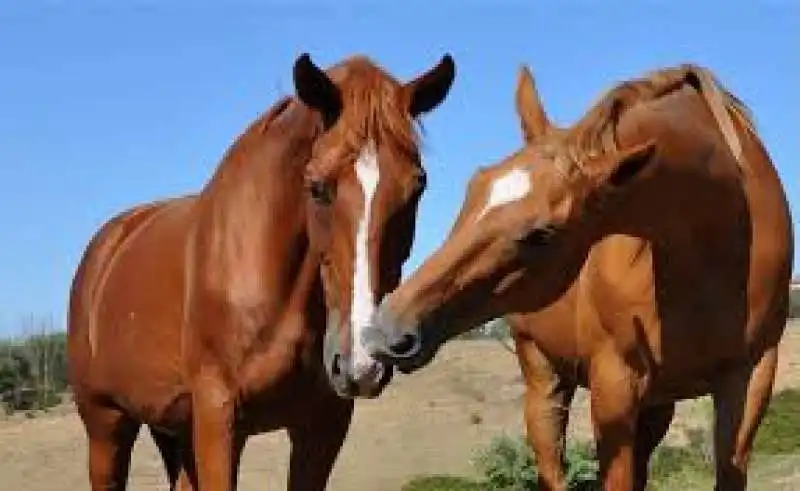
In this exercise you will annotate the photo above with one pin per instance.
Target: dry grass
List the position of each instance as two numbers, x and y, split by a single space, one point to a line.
426 424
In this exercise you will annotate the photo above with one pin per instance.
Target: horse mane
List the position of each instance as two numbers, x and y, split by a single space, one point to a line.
373 110
596 133
256 129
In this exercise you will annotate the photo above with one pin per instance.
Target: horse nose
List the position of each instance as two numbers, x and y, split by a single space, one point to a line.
336 367
357 380
405 347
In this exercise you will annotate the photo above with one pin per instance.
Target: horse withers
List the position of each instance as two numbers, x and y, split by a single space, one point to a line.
237 310
644 252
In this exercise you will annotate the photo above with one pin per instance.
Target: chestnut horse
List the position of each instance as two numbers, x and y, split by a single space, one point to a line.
237 310
644 252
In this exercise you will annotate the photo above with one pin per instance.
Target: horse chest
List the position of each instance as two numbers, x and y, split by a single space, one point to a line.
270 403
288 361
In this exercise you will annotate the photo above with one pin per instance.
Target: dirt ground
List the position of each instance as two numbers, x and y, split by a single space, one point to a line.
429 423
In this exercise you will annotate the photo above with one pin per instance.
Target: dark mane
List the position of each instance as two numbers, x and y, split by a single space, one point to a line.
595 133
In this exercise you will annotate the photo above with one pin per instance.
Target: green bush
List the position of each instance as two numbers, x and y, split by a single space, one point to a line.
675 467
508 464
583 469
33 369
672 467
777 434
442 483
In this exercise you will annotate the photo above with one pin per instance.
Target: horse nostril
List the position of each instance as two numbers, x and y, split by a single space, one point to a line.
405 346
336 369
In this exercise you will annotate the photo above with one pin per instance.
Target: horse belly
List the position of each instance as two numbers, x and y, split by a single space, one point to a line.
136 322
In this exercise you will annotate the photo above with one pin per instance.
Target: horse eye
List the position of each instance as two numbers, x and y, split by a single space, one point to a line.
321 192
539 236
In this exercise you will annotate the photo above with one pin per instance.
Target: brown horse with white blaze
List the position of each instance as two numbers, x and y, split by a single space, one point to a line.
644 252
237 310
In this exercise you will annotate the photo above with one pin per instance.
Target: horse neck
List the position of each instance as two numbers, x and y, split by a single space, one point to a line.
252 221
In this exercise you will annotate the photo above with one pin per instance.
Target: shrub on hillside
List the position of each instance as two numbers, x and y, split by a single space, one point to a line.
508 464
33 370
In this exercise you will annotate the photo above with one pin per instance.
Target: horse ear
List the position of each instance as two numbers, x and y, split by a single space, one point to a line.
429 89
316 90
533 119
627 164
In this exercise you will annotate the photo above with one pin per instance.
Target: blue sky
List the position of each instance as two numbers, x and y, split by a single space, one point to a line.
103 106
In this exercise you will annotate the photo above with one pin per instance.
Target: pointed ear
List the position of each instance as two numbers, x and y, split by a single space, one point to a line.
624 166
532 117
316 90
429 89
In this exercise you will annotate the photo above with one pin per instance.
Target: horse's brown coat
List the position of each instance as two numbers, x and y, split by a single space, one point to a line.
650 262
204 316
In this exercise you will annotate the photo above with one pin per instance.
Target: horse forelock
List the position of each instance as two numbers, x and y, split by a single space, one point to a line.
374 110
374 107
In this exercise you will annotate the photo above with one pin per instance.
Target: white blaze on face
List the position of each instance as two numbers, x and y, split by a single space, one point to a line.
363 304
509 187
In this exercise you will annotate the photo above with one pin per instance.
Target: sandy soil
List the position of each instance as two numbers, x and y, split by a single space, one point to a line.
429 423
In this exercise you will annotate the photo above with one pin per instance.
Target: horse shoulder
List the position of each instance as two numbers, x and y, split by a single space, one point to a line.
619 270
616 299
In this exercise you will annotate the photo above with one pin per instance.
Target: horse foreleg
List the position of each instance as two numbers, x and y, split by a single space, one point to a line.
547 401
168 448
651 427
614 395
316 445
213 432
739 405
111 436
178 459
